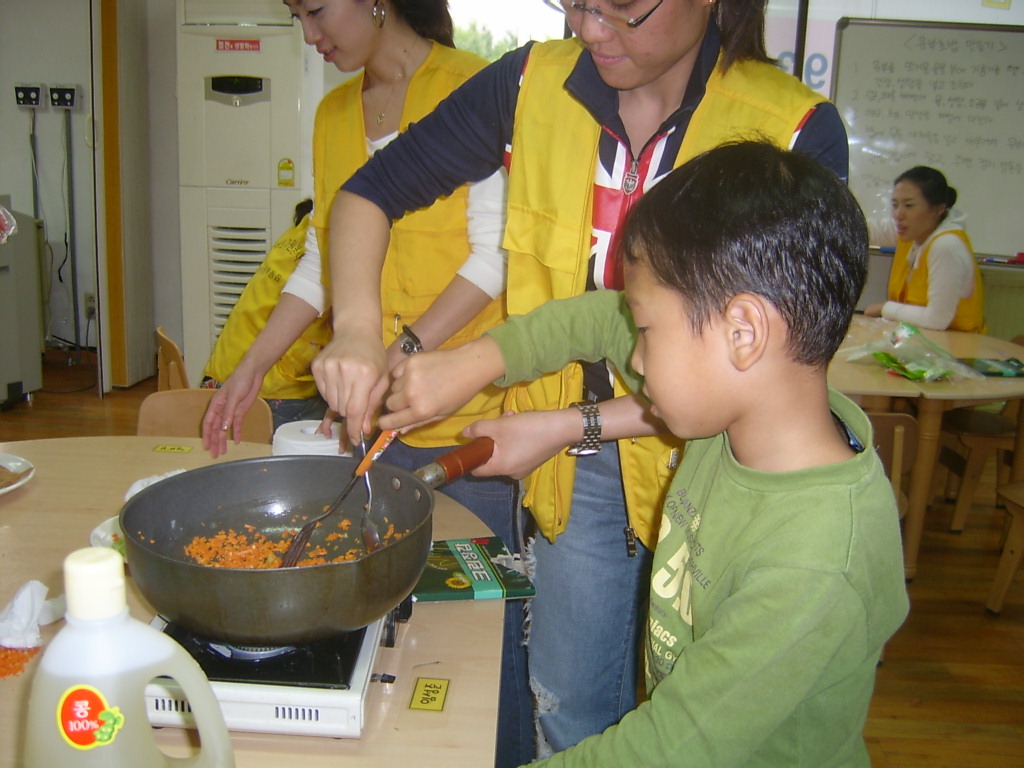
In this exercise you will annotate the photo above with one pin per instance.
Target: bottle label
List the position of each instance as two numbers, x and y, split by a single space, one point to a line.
86 720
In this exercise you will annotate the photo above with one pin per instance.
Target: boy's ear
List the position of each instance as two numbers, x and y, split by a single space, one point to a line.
747 317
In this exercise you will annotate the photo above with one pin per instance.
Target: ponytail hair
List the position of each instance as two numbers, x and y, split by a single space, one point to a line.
932 184
428 18
741 26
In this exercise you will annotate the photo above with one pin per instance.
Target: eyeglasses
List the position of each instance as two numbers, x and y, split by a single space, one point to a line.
573 9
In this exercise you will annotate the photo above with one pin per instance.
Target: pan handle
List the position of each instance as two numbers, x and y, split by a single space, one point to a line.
454 464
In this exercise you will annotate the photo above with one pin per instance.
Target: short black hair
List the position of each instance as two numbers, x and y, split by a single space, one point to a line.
302 208
751 217
933 185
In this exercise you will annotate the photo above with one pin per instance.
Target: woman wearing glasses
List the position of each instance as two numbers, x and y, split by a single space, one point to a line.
405 62
583 126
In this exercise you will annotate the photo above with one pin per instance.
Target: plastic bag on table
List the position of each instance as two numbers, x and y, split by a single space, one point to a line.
907 352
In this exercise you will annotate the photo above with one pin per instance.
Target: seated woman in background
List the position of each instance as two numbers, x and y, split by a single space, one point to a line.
934 281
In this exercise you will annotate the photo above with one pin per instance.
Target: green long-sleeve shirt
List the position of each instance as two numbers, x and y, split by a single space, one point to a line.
772 594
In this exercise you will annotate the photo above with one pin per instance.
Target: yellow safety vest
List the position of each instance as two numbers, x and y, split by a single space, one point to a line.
548 234
290 377
970 312
427 246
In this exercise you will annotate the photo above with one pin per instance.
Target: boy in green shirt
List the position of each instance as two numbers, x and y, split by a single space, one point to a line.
778 574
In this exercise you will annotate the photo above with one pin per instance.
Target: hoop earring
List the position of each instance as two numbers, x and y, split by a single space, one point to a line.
378 14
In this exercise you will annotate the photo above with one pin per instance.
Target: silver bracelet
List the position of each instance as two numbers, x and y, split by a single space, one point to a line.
591 442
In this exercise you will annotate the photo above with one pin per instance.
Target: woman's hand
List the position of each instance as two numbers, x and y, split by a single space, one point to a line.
227 409
432 385
874 310
524 441
351 374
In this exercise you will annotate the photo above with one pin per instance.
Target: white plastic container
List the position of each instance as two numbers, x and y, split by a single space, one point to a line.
87 706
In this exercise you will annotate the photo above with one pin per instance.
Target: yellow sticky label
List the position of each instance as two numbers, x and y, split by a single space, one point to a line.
429 693
173 448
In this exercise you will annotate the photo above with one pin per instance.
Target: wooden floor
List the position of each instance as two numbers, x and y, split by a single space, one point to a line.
69 403
950 693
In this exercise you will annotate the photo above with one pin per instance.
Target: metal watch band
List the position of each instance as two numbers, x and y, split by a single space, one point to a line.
591 442
409 342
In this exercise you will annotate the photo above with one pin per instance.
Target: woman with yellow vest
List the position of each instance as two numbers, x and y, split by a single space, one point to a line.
584 127
403 55
288 386
934 281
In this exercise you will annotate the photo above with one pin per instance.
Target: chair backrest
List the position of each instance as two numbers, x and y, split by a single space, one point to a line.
896 444
170 365
179 413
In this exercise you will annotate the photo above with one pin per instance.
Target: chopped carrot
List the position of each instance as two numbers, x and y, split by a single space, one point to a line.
14 660
231 549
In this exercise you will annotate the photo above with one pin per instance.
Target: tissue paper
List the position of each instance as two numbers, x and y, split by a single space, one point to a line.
21 618
302 438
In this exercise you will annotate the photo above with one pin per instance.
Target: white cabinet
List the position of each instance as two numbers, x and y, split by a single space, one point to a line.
21 314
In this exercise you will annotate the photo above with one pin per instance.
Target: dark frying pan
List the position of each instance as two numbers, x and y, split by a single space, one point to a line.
283 606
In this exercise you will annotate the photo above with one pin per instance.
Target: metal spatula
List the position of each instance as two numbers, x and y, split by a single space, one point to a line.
298 545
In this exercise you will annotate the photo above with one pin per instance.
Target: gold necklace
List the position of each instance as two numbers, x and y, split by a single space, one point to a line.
387 104
394 86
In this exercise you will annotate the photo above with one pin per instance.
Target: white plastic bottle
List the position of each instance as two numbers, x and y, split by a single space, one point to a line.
87 706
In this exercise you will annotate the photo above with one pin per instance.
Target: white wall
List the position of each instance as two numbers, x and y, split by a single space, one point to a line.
46 42
163 116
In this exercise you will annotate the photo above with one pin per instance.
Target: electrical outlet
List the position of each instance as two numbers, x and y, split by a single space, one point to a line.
90 305
28 95
62 97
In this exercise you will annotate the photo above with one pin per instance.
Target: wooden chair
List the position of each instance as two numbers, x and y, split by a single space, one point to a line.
1012 496
170 365
896 443
969 438
179 413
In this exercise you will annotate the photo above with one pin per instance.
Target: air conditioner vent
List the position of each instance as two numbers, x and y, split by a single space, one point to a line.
235 255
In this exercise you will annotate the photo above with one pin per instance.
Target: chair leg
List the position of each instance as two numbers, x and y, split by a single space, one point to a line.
968 484
1009 562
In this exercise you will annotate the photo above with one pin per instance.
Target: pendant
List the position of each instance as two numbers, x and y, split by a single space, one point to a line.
632 178
380 118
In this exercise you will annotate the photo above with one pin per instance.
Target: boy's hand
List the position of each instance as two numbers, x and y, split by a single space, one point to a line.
524 441
432 385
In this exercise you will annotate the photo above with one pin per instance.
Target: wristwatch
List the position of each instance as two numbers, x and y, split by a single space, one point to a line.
591 442
409 342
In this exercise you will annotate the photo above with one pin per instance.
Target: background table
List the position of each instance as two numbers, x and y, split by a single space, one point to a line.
871 383
80 482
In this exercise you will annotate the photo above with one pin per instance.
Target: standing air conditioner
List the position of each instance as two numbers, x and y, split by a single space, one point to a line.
243 128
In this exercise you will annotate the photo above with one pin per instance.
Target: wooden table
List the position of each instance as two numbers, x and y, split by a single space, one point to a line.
869 381
80 482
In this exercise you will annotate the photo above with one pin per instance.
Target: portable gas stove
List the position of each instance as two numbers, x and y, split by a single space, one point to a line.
314 689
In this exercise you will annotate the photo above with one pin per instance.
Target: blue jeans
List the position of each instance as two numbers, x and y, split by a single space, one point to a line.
586 619
496 502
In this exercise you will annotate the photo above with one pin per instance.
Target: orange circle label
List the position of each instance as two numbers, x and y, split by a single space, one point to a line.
86 720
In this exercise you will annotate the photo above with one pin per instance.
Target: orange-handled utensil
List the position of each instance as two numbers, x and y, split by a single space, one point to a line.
298 544
384 439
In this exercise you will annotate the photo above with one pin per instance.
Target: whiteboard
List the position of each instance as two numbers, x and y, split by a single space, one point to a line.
946 95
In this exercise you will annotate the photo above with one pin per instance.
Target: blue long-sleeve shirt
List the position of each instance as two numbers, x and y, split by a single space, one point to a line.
466 138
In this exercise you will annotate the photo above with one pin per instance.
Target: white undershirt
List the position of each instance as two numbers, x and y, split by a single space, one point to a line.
484 267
